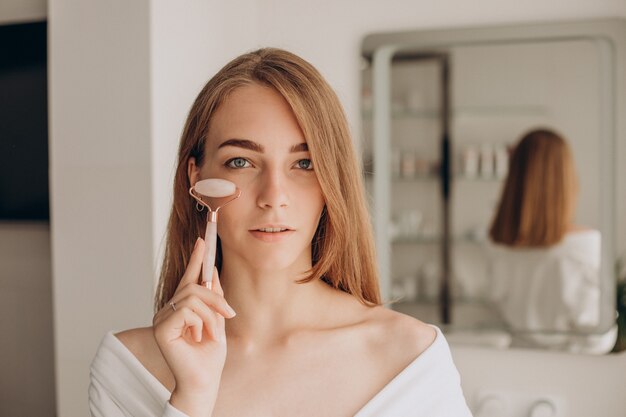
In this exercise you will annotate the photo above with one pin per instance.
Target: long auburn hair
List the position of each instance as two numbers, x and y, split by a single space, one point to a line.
538 201
343 253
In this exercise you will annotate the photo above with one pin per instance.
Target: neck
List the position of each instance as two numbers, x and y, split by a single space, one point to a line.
270 305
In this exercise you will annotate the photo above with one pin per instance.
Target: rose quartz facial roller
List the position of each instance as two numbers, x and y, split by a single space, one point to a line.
215 188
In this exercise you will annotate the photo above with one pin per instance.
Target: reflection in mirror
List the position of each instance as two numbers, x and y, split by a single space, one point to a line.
551 286
544 270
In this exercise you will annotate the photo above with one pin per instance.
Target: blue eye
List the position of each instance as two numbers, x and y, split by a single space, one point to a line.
236 163
306 164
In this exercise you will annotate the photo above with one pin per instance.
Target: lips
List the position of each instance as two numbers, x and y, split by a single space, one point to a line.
272 226
269 237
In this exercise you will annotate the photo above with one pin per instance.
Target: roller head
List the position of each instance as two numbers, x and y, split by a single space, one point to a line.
215 187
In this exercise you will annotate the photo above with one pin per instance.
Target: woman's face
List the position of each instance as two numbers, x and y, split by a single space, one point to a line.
255 142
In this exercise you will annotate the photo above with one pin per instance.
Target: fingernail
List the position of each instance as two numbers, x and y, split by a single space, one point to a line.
230 310
196 245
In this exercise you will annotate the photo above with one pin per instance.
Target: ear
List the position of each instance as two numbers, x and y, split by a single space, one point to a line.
193 171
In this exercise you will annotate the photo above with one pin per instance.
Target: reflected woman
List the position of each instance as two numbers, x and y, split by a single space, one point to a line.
545 269
295 261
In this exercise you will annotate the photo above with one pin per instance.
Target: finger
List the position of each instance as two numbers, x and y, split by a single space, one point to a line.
217 285
208 297
163 313
194 266
176 325
209 317
160 315
217 288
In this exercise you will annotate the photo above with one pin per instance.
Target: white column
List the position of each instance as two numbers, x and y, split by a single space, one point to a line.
100 181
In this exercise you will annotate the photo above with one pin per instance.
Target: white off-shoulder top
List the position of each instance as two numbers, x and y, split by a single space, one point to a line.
543 291
428 386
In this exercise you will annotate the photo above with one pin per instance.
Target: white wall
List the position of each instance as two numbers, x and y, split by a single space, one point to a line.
123 75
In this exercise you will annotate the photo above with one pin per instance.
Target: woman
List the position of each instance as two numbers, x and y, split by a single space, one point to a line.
546 269
296 263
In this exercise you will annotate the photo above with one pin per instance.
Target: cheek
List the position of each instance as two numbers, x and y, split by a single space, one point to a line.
313 195
310 204
229 231
232 213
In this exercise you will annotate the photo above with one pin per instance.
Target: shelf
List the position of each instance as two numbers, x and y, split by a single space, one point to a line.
466 111
478 178
406 114
415 240
422 240
434 177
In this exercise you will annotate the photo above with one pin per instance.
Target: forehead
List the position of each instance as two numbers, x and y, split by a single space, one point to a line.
257 113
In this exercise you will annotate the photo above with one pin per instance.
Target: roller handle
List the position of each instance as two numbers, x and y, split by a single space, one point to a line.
210 239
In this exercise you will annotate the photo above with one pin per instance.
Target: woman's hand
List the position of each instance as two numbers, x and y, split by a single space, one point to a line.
192 338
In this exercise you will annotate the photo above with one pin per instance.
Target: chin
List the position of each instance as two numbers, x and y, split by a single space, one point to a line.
271 258
276 261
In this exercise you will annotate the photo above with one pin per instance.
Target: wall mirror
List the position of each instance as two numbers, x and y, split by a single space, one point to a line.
442 111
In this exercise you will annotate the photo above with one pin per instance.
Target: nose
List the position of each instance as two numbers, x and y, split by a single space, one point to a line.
273 191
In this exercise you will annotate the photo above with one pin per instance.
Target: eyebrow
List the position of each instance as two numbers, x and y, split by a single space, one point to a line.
253 146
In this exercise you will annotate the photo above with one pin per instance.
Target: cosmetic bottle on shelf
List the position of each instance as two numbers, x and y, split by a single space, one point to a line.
469 162
486 161
501 160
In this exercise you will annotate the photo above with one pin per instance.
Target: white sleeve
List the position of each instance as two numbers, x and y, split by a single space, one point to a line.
582 282
171 411
102 404
581 294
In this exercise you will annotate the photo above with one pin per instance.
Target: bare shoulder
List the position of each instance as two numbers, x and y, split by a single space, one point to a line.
386 332
393 334
142 344
139 341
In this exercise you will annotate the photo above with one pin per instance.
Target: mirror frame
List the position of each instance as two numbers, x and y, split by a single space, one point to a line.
609 34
